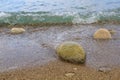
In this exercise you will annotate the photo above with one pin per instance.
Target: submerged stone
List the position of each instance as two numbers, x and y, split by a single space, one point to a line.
17 30
71 51
102 34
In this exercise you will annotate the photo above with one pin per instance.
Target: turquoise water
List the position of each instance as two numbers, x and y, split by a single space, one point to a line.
59 11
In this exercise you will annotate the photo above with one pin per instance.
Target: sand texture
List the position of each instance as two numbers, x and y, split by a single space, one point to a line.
59 70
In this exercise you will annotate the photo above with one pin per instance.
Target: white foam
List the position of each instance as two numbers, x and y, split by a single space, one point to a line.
2 14
92 19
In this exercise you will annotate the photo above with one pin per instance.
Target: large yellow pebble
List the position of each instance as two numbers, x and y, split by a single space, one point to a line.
17 30
102 34
71 51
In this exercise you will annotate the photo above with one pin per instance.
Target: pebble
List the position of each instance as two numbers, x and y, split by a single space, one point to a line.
112 31
104 69
75 69
17 30
69 74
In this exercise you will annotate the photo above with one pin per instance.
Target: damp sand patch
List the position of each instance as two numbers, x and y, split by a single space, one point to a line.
37 46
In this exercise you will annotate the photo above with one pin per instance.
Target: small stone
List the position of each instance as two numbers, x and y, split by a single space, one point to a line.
69 74
75 69
77 38
17 30
112 31
102 34
104 69
71 51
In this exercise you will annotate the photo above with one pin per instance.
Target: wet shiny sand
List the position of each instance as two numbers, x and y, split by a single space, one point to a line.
37 46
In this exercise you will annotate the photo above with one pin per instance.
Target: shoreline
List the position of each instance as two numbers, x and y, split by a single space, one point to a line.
33 52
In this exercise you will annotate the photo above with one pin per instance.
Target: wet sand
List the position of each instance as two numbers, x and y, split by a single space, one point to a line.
31 55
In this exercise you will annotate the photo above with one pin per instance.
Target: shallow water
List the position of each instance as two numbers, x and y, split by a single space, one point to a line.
35 47
57 5
59 11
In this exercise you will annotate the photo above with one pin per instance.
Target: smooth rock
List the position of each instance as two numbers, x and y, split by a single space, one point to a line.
102 34
17 30
71 51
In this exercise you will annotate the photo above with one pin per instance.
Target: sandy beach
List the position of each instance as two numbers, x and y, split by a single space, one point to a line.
32 55
59 70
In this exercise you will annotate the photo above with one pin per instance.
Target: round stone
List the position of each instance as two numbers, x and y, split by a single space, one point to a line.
71 51
102 34
17 30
